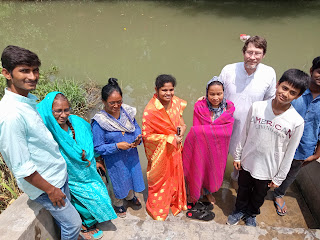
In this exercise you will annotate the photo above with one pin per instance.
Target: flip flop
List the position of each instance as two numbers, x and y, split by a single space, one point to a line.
121 211
203 215
98 234
208 205
190 205
281 207
84 237
200 206
135 201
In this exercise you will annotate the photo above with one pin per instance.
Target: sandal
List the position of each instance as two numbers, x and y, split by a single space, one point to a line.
85 235
208 205
121 211
281 207
200 206
190 205
203 215
135 201
95 232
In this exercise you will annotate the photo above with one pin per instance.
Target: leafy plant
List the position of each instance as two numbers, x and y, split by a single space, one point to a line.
8 186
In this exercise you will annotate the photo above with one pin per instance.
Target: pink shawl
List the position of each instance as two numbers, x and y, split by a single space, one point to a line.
206 149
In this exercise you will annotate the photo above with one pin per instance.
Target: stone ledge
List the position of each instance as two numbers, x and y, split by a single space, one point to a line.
177 228
26 220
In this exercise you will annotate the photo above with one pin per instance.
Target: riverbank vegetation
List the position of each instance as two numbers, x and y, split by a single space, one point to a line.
9 190
83 97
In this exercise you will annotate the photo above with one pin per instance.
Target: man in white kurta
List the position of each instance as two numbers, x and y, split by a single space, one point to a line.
245 83
243 89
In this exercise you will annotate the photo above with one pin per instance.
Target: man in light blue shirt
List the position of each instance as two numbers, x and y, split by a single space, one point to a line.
308 106
28 147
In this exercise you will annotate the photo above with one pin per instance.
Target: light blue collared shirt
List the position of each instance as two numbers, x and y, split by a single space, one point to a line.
27 145
309 109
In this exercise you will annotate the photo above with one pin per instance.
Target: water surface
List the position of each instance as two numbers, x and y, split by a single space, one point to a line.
135 41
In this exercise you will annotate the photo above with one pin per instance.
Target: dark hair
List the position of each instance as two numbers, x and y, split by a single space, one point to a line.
297 78
110 88
13 56
258 42
216 83
163 79
315 63
61 96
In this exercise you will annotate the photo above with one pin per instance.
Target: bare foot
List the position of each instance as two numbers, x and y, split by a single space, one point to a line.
94 230
211 198
280 201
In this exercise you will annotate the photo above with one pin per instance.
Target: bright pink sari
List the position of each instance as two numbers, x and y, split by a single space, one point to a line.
205 150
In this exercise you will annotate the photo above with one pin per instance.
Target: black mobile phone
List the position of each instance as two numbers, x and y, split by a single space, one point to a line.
137 139
178 131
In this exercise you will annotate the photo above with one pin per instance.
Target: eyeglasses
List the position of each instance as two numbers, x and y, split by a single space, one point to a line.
251 53
114 103
60 111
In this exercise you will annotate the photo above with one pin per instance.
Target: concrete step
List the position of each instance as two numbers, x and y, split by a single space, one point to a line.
133 227
297 224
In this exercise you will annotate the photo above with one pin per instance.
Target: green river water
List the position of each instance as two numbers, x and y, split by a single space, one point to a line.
135 41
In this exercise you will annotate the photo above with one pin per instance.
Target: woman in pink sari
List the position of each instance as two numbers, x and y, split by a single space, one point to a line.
206 149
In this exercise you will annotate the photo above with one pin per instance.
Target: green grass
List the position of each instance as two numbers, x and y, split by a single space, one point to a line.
83 97
8 186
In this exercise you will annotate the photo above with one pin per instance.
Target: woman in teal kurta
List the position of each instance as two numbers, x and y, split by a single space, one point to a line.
73 134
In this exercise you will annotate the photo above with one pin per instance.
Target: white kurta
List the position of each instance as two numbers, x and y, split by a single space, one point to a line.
268 142
243 90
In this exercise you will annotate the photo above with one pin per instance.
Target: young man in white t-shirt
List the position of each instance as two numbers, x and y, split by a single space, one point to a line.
271 134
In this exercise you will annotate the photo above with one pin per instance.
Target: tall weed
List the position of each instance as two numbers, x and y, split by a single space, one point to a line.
8 186
82 96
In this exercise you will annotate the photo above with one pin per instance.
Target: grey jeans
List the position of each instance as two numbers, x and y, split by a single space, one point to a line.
291 176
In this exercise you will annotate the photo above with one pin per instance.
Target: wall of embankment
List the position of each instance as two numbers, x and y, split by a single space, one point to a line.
26 220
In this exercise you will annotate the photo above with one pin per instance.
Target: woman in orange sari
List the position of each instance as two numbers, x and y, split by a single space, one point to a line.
162 132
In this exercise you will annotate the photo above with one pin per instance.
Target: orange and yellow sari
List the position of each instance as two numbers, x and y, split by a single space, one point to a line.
165 171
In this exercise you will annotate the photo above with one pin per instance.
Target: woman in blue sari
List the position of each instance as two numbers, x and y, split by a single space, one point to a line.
116 135
89 194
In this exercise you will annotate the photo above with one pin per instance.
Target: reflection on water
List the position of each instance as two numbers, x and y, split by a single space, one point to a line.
136 41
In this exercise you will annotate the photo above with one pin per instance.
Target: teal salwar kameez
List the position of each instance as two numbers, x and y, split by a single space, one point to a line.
89 193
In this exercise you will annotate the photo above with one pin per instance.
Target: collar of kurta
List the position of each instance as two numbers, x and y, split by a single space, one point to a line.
30 99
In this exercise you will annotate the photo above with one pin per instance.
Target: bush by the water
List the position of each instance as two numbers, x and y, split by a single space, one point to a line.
48 82
8 186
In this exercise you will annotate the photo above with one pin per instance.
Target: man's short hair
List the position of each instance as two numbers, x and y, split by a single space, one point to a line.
297 78
258 42
13 56
315 64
